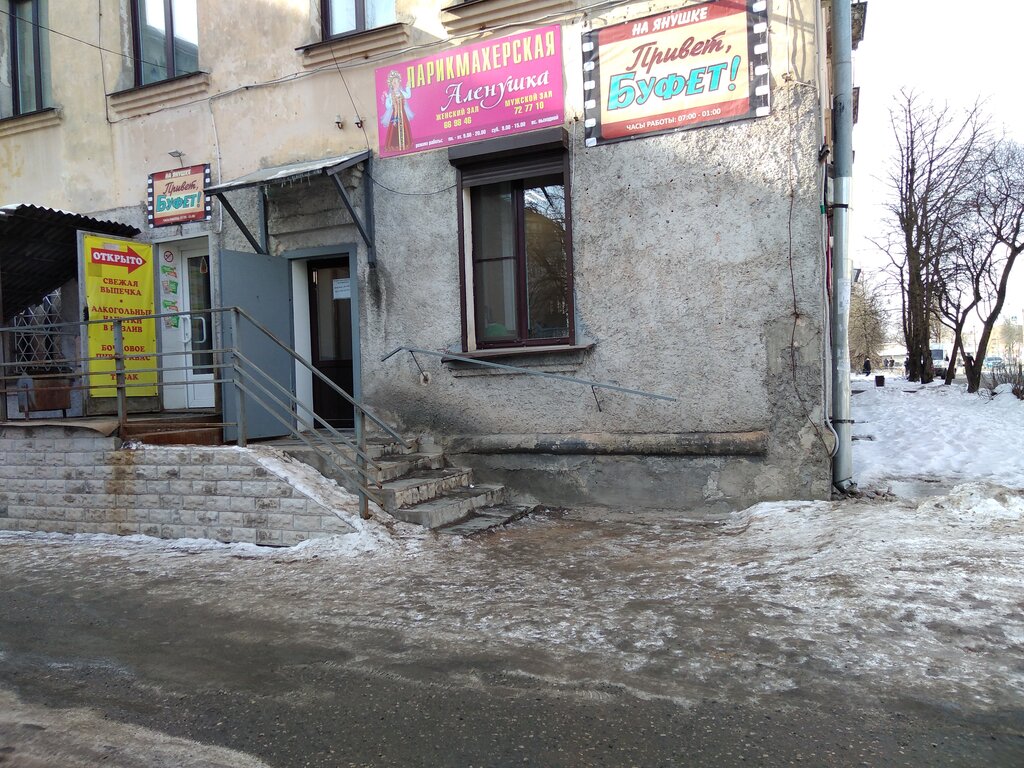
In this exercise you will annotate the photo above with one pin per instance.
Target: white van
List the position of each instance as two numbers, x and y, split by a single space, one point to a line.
940 361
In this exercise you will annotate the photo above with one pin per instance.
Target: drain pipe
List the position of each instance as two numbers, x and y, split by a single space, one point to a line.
842 129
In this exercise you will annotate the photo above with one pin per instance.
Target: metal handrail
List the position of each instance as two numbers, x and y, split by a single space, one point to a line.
231 366
541 374
338 390
293 405
303 436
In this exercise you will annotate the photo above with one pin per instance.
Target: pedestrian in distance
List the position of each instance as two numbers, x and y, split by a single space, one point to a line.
867 366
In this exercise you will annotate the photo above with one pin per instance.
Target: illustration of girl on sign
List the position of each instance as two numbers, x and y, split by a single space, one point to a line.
397 115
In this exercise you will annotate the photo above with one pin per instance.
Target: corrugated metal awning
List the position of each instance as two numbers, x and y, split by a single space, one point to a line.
284 173
39 251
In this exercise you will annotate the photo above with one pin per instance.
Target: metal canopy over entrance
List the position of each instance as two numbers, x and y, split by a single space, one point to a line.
39 252
330 167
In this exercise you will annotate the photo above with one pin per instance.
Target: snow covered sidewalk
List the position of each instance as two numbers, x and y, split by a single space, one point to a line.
935 433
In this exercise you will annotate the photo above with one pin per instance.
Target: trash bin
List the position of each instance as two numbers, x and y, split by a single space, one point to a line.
879 381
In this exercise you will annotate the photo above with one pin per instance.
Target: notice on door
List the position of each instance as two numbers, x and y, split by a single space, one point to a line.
342 288
119 286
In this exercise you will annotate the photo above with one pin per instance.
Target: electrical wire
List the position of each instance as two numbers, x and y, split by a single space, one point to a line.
791 179
411 194
76 39
103 71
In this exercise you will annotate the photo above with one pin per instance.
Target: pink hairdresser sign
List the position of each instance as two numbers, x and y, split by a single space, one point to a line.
476 92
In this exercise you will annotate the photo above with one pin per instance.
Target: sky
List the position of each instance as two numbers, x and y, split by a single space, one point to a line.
947 52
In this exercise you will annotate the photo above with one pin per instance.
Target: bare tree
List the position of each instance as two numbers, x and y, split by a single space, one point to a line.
960 293
937 167
867 326
998 216
1009 336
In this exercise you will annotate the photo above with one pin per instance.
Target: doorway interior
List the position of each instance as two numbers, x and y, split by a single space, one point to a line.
332 347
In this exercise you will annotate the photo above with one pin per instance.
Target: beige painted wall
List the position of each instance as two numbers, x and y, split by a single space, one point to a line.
97 156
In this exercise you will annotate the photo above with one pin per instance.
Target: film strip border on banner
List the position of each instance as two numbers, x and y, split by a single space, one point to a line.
757 19
760 79
207 201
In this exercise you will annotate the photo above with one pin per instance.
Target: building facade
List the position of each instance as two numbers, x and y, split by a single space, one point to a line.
674 253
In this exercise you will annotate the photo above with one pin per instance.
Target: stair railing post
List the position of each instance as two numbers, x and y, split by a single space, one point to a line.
359 423
236 377
122 394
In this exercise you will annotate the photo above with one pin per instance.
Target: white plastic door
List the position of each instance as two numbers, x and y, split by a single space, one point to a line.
198 329
186 340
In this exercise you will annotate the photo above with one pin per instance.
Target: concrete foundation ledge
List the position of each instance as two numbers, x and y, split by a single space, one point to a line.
752 443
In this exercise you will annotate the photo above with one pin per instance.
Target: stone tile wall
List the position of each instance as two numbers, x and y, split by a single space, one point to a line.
73 480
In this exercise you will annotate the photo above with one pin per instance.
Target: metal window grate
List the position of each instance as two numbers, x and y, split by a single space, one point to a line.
37 342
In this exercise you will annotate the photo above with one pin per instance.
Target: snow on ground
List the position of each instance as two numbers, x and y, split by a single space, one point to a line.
935 433
368 535
913 594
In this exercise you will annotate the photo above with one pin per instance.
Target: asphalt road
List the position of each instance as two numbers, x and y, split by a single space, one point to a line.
115 657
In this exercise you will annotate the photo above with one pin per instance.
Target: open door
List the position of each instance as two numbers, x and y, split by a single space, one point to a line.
261 285
330 323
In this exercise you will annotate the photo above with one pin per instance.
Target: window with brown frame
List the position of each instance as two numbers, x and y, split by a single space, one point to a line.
24 58
517 273
166 36
343 17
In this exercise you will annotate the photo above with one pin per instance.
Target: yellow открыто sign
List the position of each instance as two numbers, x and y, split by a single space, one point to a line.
119 286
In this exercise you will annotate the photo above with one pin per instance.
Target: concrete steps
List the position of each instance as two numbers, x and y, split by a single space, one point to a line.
452 506
399 465
486 519
417 485
423 485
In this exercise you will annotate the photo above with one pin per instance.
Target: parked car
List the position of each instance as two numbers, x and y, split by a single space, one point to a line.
993 363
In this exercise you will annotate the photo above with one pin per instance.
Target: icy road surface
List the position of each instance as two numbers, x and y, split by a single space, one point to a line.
892 598
916 594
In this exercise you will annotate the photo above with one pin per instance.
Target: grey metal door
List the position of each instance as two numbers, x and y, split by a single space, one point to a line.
261 285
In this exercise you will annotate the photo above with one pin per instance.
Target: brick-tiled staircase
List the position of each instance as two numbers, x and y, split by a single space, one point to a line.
418 486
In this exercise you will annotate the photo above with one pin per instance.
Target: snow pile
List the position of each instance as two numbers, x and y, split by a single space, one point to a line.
325 492
905 431
911 592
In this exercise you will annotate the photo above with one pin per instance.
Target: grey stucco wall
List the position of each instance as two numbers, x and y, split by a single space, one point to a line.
698 274
73 480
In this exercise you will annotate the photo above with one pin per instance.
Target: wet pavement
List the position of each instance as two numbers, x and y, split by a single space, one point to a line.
848 633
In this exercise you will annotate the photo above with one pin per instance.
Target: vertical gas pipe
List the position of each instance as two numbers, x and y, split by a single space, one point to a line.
842 129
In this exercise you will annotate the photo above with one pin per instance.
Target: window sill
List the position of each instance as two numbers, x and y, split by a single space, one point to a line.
514 352
30 121
474 15
356 45
174 92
